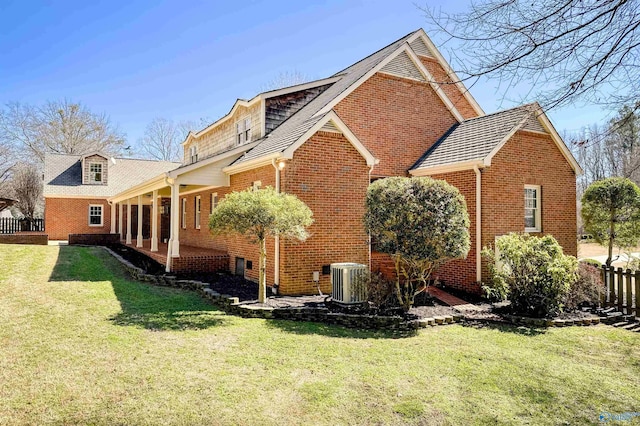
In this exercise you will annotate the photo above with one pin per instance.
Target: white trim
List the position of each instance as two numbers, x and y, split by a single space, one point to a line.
157 182
546 123
538 210
79 197
173 174
478 224
403 48
183 218
200 189
338 123
494 151
95 225
251 164
198 211
447 168
454 77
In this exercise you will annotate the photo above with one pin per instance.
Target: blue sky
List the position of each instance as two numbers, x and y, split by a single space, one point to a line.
187 60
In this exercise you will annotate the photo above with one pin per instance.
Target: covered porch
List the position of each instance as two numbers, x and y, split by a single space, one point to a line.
164 199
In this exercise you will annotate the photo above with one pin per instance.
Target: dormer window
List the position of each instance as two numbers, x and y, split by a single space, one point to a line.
193 153
243 131
95 173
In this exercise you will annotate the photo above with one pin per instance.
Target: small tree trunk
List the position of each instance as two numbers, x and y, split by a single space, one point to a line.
611 237
262 280
398 290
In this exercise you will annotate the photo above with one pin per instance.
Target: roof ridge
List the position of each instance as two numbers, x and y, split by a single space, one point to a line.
341 72
501 111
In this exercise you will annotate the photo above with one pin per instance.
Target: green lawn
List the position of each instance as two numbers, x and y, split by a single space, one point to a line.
80 343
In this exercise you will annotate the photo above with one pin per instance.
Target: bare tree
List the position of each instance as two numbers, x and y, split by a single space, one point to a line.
285 79
565 49
61 127
7 159
163 138
26 185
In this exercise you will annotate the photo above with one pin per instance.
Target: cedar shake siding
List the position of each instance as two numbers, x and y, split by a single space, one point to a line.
279 108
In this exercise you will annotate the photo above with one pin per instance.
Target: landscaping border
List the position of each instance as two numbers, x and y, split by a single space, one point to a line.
232 305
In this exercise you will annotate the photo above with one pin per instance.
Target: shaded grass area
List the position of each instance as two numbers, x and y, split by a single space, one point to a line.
80 343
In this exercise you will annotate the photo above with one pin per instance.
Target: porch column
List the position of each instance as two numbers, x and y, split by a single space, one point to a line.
154 222
129 221
120 219
113 218
173 225
140 210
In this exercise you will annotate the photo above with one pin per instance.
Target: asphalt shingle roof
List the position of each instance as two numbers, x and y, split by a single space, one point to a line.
63 175
475 138
290 130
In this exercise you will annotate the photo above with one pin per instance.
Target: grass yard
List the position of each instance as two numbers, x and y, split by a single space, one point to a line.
80 343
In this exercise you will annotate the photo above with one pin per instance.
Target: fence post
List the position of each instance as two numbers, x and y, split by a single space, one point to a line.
637 285
620 291
628 296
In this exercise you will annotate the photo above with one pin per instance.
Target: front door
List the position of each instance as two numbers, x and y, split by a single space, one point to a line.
165 219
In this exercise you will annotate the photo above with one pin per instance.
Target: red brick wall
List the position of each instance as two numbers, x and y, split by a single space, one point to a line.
64 216
529 158
461 273
451 90
331 177
397 119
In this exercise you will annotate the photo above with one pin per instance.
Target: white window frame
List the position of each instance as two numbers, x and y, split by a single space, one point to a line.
214 201
101 206
92 174
193 153
538 209
243 131
198 206
184 213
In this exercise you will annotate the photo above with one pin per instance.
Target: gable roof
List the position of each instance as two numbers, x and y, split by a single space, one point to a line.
63 175
348 79
475 141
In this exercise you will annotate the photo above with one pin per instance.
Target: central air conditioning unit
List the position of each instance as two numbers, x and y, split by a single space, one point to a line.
345 286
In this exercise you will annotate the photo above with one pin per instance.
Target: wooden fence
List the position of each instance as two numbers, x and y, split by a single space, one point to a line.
9 225
622 290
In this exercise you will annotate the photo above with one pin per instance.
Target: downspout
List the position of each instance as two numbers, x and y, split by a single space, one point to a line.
478 223
276 250
369 235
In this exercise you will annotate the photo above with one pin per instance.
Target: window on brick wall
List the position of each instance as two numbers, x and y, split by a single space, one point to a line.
214 201
197 211
95 173
532 208
95 215
184 213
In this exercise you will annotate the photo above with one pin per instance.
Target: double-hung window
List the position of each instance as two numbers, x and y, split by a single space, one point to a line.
193 153
214 201
184 213
197 212
95 173
243 131
95 215
532 208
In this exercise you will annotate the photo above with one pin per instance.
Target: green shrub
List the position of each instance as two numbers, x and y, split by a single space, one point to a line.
587 289
422 223
592 262
497 288
381 292
538 276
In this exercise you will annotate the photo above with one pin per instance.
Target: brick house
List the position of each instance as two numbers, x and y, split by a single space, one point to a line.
397 112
